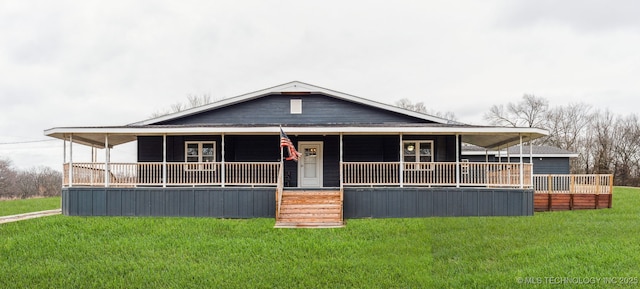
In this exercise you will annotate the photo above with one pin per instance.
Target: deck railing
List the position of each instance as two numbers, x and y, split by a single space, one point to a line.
573 184
435 174
178 174
354 174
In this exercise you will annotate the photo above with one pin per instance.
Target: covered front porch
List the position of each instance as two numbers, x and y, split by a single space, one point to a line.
335 159
240 172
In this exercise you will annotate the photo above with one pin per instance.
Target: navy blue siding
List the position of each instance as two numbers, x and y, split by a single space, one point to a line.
183 202
551 166
428 202
541 166
275 109
150 147
372 148
260 202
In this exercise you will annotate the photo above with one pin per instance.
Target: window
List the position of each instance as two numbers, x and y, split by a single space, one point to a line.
416 152
199 152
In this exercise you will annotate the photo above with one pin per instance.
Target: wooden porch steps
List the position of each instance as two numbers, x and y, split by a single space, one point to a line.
310 209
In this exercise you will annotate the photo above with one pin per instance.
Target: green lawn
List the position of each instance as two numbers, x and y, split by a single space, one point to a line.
13 207
549 249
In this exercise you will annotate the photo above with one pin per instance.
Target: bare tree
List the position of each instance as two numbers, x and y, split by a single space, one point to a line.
605 142
626 150
195 100
602 129
567 124
421 108
40 181
529 112
7 179
192 101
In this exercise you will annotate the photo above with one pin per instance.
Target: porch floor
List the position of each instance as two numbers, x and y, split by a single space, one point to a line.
310 209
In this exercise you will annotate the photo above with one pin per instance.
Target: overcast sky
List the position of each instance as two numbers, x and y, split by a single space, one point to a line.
83 63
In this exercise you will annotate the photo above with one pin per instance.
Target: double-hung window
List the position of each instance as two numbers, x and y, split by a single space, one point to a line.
417 154
199 152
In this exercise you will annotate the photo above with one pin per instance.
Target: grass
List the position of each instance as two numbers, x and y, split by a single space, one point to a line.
477 252
13 207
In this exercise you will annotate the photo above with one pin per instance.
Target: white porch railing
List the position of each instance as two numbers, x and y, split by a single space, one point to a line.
178 174
435 174
573 184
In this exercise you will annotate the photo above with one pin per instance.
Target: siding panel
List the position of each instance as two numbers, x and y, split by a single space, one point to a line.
114 203
128 200
142 203
201 206
428 202
99 203
187 203
156 202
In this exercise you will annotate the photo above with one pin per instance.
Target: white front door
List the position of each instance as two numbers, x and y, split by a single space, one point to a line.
310 164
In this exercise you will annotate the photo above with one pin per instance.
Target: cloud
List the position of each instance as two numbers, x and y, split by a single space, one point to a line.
583 15
83 63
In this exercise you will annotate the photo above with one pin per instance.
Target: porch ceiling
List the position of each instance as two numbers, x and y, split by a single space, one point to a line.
487 137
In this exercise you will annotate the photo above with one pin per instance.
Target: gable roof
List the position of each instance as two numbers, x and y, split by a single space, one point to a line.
486 136
292 87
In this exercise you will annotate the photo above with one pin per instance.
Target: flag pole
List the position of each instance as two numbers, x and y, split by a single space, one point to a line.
281 151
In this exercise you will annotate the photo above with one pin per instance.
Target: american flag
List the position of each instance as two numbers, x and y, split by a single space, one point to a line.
286 142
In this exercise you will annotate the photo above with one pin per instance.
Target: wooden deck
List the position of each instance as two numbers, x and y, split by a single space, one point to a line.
310 209
572 192
563 202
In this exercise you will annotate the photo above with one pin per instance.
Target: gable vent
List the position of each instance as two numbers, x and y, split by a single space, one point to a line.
296 106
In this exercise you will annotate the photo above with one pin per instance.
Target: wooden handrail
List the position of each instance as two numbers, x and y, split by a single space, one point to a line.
178 174
435 174
573 184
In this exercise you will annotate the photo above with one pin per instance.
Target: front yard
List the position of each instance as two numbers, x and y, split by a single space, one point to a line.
496 252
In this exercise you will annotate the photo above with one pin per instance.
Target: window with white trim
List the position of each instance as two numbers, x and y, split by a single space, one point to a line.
415 152
199 152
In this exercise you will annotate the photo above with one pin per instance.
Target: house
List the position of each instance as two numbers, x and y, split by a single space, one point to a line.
359 157
546 159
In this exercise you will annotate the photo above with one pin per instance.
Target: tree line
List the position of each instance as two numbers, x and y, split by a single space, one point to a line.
34 182
607 143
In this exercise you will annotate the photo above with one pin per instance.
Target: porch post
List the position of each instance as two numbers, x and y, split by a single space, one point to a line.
71 160
401 162
521 165
106 160
457 160
531 158
341 157
223 171
93 161
164 160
